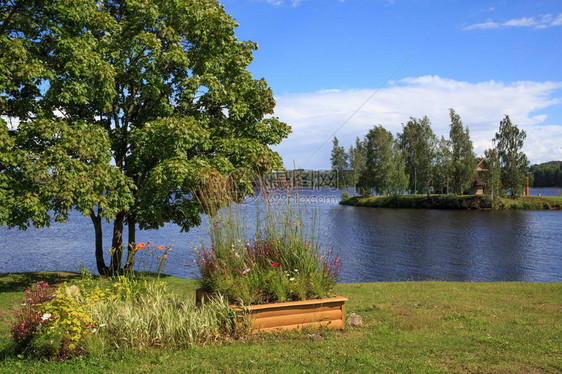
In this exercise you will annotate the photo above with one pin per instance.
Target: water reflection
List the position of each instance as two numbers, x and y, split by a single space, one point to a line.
397 244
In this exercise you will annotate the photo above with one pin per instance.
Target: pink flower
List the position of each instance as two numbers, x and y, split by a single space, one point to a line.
246 271
275 264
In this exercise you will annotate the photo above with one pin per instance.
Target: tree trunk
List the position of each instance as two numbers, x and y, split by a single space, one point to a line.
102 268
132 226
117 244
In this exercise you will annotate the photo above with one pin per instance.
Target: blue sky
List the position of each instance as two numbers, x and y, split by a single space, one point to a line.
325 58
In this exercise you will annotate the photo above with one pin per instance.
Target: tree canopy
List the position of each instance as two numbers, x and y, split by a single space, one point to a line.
418 144
384 168
356 161
492 177
548 174
125 110
513 162
339 162
463 161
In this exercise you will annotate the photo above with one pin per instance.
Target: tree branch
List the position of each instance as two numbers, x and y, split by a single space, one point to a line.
6 21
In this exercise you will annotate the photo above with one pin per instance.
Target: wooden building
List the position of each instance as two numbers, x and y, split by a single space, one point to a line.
478 184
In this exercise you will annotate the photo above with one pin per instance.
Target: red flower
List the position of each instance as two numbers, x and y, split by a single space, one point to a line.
275 264
140 246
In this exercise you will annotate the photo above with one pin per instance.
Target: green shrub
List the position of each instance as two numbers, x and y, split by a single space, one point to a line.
65 326
29 316
52 324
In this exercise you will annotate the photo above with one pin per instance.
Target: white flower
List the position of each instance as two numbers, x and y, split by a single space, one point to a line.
94 330
102 325
291 279
46 316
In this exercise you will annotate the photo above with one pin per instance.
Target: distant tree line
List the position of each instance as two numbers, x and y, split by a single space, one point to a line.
548 174
417 161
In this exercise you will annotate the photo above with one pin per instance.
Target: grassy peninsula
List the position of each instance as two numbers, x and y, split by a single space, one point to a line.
407 327
455 202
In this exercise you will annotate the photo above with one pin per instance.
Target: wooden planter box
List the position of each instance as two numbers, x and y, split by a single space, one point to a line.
294 315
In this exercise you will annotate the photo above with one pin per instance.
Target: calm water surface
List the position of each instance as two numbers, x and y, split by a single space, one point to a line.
375 244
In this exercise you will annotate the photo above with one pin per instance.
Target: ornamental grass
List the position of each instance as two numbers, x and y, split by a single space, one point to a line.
159 318
279 260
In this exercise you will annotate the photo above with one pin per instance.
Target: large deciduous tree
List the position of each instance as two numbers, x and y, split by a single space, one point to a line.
339 162
513 162
384 167
463 161
356 161
442 166
418 144
492 176
125 110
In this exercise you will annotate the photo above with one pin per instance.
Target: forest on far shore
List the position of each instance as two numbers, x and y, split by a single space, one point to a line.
548 174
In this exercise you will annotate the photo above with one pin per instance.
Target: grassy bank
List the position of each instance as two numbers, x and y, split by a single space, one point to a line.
408 327
456 202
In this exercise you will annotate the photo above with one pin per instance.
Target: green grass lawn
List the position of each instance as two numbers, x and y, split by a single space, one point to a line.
408 327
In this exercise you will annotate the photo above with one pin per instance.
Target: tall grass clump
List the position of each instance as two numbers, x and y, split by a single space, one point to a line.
157 317
280 261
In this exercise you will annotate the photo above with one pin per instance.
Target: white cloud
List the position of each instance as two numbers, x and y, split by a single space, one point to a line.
274 2
557 21
541 22
281 2
522 22
483 26
296 3
316 116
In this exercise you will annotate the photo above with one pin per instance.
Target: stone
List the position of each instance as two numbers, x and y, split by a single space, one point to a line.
354 320
315 337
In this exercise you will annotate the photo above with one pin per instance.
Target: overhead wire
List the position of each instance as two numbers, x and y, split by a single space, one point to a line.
359 108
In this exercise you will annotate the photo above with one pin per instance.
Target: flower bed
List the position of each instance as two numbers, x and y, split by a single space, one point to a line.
280 264
295 315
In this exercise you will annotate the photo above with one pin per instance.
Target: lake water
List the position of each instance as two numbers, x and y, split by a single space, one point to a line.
375 244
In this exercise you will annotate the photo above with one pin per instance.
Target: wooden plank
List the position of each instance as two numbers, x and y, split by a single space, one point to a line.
335 324
296 319
278 311
328 312
293 303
